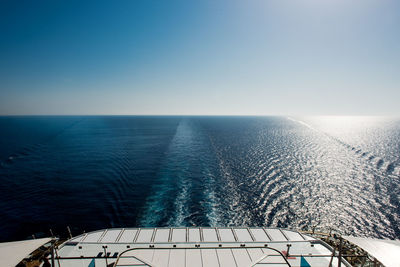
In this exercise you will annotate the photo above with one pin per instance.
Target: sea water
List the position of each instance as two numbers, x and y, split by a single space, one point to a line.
94 172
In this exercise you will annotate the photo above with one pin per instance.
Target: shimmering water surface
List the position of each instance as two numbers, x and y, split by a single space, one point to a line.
98 172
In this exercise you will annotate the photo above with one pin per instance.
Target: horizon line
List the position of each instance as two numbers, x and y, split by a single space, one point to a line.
193 115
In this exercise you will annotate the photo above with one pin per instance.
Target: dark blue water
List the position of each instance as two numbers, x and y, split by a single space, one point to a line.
126 171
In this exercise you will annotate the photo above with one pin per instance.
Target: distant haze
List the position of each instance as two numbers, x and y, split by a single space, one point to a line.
283 57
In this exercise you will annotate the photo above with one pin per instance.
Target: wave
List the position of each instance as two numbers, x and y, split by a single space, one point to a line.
290 181
205 172
390 166
185 191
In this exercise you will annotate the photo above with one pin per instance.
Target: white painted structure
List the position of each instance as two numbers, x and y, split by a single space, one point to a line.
11 253
385 251
175 247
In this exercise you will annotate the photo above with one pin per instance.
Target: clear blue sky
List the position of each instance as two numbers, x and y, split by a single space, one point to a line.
288 57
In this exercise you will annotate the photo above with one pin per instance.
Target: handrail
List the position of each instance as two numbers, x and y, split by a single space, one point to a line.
195 248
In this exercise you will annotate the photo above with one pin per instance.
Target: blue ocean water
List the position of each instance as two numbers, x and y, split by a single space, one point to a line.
93 172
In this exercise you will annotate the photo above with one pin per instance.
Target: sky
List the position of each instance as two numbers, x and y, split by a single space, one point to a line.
282 57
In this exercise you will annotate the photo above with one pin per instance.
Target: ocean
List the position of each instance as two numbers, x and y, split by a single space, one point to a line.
95 172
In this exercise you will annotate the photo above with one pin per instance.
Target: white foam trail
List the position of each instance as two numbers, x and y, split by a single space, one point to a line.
211 199
303 123
155 204
181 205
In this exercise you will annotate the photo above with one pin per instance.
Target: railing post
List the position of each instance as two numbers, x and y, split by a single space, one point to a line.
333 255
69 232
105 254
58 257
53 264
340 251
288 248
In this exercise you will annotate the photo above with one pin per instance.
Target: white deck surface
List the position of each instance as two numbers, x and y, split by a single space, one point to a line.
385 251
11 253
206 234
223 247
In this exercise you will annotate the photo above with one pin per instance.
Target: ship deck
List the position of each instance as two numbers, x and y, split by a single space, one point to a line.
238 246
